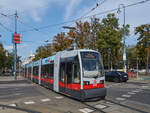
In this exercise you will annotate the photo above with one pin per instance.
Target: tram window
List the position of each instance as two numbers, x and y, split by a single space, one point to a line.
43 71
76 77
51 70
62 72
69 72
29 70
36 70
25 71
76 71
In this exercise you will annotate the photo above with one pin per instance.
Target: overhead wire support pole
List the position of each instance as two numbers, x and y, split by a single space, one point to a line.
124 42
15 48
124 36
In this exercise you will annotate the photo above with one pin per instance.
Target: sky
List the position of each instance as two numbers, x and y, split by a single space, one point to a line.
45 14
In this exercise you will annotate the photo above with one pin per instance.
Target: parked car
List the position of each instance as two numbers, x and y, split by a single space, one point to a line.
116 76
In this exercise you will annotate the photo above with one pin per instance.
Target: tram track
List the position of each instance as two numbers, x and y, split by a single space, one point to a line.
94 108
122 105
91 105
113 102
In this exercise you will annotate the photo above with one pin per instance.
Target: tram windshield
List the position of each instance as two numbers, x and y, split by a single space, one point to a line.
92 64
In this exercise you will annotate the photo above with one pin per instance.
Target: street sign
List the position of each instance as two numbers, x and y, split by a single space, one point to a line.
16 38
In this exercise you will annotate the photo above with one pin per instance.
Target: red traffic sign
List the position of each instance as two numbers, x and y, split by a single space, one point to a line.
17 38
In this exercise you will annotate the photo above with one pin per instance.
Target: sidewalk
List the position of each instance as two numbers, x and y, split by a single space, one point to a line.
142 78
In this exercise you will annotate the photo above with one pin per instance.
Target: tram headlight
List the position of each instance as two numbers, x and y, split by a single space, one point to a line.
101 81
86 83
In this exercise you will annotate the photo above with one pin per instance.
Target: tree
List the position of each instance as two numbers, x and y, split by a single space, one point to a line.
81 34
2 56
61 42
143 46
109 40
43 52
131 57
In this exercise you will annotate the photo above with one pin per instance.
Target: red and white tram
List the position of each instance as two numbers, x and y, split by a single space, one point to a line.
75 73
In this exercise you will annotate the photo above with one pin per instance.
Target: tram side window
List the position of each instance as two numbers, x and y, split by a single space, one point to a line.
69 72
48 71
62 72
29 70
51 71
36 70
25 71
76 71
43 71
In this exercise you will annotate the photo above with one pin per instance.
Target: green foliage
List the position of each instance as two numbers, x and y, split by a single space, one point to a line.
143 46
109 40
43 52
81 34
144 41
2 56
61 42
6 59
131 57
105 35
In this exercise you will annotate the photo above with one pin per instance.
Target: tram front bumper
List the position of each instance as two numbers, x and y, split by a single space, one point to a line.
92 94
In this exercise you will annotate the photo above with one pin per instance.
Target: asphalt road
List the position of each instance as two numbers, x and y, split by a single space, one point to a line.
23 96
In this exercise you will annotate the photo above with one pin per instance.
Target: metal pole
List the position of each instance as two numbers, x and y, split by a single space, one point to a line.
137 68
124 43
15 48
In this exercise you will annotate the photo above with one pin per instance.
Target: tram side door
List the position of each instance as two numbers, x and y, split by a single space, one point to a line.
66 77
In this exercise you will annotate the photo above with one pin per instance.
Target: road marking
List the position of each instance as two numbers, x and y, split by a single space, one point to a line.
131 93
30 102
139 90
135 91
13 105
107 87
121 99
126 96
60 97
100 106
45 100
86 110
109 103
144 86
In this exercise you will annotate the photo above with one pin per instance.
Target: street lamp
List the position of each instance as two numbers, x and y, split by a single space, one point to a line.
124 34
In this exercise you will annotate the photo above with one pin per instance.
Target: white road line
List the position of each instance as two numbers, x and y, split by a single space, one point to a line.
106 86
144 86
13 105
131 93
29 102
60 97
109 103
100 106
126 96
121 99
135 91
86 110
139 90
45 100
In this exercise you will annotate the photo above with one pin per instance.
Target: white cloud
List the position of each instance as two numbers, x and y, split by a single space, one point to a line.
71 7
19 46
33 8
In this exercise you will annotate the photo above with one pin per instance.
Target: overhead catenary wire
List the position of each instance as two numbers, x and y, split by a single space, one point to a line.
91 10
3 26
74 20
